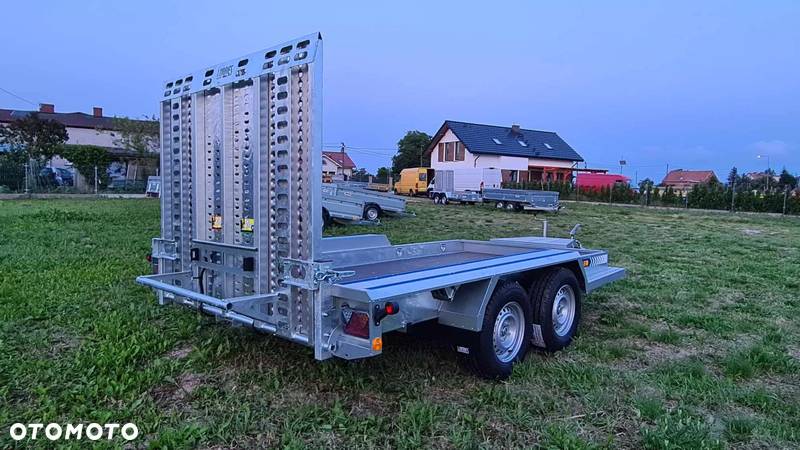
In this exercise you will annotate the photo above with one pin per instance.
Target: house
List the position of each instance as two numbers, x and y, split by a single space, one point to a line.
597 181
522 155
98 130
760 176
682 181
337 165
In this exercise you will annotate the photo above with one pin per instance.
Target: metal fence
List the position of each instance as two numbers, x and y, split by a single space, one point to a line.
35 177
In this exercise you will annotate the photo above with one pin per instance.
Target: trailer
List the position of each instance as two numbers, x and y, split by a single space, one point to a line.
523 200
464 186
351 202
241 235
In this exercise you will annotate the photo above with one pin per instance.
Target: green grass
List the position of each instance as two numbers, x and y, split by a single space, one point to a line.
698 348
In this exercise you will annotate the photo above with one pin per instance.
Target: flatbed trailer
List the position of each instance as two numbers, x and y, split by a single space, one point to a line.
523 200
350 203
241 235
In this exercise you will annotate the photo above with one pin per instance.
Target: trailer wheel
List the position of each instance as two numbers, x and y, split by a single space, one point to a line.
556 303
511 206
372 212
444 199
500 205
504 338
518 207
326 218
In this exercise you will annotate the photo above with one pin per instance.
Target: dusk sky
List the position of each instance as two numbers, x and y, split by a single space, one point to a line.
695 85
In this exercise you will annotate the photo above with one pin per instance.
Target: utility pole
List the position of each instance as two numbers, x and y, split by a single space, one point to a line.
733 193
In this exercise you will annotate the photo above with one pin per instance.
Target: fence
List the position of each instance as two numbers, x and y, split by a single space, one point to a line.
781 200
36 177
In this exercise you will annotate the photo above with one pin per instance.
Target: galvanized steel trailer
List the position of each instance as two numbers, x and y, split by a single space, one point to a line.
523 200
241 233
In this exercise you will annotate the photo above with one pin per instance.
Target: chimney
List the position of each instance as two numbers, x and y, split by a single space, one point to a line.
47 108
97 111
515 129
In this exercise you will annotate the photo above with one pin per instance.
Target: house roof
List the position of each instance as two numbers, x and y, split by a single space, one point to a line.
73 119
496 140
341 159
682 177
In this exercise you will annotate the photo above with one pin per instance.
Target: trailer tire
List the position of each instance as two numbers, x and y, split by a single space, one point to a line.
326 218
372 212
505 336
511 206
557 288
518 207
444 199
500 205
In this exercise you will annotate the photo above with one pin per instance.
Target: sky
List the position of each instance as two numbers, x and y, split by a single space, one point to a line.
673 84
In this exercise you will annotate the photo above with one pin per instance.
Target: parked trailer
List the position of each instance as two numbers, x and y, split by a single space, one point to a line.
351 202
463 185
241 236
523 200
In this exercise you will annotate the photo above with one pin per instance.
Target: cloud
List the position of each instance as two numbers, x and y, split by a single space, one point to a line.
774 147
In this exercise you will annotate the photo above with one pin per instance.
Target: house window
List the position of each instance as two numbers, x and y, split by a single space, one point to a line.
497 141
441 152
449 150
459 151
548 146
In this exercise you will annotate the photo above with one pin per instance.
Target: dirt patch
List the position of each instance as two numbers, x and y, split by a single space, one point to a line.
173 394
179 352
751 232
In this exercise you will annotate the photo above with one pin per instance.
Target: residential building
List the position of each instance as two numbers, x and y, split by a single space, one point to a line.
337 165
98 130
682 181
522 155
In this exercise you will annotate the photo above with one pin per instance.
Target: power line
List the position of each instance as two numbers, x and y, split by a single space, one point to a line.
17 96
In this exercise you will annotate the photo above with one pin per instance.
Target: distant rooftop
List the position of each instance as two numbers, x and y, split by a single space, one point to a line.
71 119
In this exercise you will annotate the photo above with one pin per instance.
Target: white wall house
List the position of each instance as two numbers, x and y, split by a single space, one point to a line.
521 155
93 129
337 165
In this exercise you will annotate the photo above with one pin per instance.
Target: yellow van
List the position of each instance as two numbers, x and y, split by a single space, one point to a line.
414 181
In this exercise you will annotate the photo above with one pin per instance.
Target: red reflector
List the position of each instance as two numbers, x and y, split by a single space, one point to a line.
358 325
389 308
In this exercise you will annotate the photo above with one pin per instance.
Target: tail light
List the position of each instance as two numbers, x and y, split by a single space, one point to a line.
356 323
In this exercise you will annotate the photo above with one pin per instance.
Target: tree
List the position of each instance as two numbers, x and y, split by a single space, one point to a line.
646 190
733 177
383 173
410 151
360 175
33 138
787 180
85 158
136 136
140 136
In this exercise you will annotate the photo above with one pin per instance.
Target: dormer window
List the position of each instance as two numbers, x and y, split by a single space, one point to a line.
548 146
523 143
497 141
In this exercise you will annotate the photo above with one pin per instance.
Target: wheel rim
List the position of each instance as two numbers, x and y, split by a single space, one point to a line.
509 332
563 310
510 206
372 214
499 205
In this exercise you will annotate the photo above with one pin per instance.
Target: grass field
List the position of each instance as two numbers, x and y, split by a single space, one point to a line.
698 348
